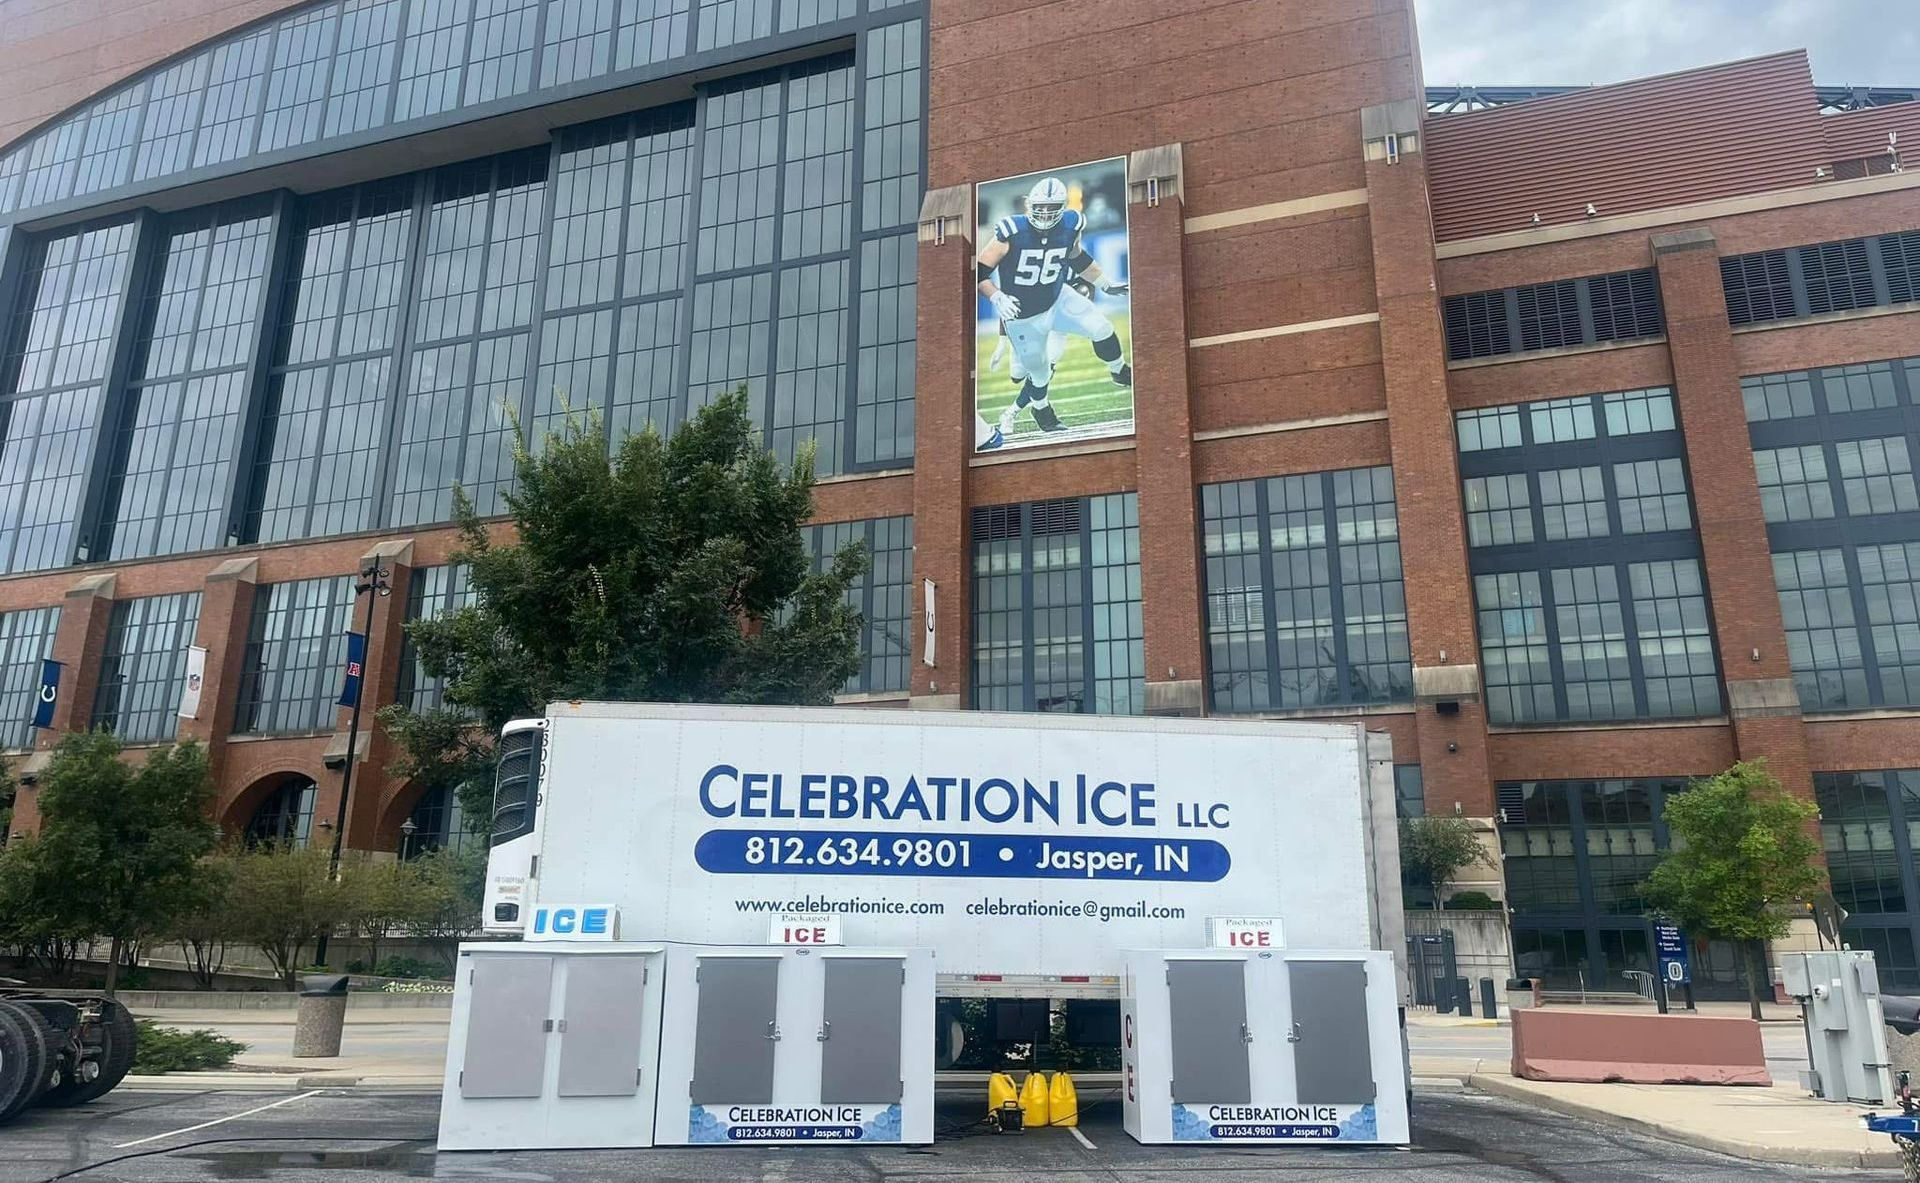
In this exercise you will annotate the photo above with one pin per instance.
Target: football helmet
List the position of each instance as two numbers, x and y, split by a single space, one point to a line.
1046 203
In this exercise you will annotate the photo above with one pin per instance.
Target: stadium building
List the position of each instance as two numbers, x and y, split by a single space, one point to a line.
1566 437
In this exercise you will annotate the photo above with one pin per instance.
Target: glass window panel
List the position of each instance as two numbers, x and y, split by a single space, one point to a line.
433 592
363 71
499 388
731 326
739 170
1653 496
1857 832
890 155
1499 510
650 31
1514 648
143 666
53 157
1237 631
106 157
295 656
1890 582
1409 791
26 640
578 42
297 85
1487 428
1563 419
1592 643
817 195
809 379
1876 476
174 98
643 373
230 118
433 423
1777 396
1794 485
883 398
1823 642
1858 388
588 197
799 14
285 817
729 22
1119 637
500 55
1675 638
575 355
1636 412
432 57
883 597
657 196
1573 503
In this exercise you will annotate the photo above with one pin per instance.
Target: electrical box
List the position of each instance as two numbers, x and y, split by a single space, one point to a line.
1239 1046
765 1044
1839 997
553 1045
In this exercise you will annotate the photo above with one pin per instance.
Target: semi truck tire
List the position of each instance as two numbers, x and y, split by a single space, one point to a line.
118 1037
24 1062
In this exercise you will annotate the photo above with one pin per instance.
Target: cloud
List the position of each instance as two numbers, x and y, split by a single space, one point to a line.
1570 42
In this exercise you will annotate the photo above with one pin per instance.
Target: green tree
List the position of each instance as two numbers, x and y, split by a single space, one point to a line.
8 787
383 896
450 885
1435 849
1741 861
282 896
40 914
201 925
124 843
664 571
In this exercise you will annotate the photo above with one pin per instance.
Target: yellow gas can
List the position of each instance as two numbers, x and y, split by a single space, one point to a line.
1033 1100
1063 1102
1000 1090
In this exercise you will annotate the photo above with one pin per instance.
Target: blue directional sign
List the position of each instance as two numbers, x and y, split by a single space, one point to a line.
1670 947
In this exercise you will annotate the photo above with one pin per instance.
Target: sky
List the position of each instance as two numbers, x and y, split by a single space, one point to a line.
1583 42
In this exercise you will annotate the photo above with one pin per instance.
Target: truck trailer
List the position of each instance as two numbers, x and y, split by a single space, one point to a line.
738 924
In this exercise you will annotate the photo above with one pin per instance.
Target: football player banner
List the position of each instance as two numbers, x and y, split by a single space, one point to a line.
1053 358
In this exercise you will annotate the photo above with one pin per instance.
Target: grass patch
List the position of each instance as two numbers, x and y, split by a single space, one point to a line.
169 1049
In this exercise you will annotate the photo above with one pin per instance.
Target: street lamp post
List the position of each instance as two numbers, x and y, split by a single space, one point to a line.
379 580
406 838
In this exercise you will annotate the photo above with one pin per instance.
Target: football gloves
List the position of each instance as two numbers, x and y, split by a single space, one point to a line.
1005 307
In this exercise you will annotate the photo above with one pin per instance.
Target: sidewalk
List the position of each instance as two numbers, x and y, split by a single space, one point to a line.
395 1050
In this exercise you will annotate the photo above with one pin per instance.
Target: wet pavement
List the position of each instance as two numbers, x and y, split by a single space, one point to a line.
352 1136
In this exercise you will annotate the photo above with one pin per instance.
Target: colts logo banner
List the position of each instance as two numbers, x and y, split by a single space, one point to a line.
587 922
49 693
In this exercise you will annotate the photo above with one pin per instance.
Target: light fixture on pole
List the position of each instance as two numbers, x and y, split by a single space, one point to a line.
379 580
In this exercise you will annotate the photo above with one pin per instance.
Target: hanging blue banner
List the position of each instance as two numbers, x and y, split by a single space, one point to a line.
49 693
356 659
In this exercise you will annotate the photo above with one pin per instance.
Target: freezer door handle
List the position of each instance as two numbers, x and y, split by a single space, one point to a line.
826 1031
1246 1033
1293 1033
773 1030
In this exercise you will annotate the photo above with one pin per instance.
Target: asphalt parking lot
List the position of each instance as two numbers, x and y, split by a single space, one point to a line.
351 1136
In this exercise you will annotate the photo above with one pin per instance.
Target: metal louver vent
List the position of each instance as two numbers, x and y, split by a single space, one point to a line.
1757 287
1838 276
1054 517
1511 803
992 523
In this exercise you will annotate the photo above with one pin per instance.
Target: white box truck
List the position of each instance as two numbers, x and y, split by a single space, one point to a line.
1031 856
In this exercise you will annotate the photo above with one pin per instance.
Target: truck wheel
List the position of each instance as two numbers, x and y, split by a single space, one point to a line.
23 1058
118 1036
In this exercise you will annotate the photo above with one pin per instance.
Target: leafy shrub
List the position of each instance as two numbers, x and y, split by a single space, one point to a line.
1472 901
407 967
169 1049
416 988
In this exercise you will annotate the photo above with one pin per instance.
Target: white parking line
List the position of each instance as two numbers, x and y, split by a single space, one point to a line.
218 1120
1079 1137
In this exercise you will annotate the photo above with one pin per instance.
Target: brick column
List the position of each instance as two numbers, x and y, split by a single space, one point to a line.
1747 625
226 613
942 445
382 618
1163 427
1433 548
78 642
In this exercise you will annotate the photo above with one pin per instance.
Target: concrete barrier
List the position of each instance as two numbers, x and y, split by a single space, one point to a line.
150 1000
1599 1046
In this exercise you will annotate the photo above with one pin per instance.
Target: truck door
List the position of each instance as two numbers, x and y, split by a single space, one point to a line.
734 1030
1207 1020
1332 1048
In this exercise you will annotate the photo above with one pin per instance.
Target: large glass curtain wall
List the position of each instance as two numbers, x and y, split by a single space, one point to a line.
300 366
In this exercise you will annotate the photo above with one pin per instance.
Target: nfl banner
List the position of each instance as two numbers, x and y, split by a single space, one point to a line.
196 677
356 658
49 693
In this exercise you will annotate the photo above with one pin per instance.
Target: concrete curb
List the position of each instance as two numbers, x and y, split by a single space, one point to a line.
1803 1156
276 1082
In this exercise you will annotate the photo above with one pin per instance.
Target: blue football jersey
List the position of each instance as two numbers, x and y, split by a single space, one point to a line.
1035 266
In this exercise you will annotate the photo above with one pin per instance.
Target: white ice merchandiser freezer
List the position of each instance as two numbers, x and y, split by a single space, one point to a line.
1228 1045
558 1045
553 1045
